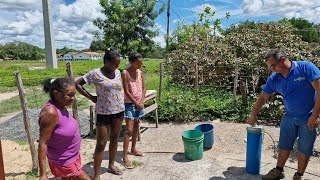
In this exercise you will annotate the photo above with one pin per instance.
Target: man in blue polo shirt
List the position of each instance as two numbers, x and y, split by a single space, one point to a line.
299 84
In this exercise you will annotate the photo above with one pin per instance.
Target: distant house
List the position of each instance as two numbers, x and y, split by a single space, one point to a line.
69 56
60 57
88 56
74 56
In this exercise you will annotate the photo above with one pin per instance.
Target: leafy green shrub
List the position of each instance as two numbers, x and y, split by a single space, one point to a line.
178 104
273 110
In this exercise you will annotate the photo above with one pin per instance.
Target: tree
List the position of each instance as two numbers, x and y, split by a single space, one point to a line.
98 45
158 53
308 32
245 46
207 26
129 24
21 51
65 50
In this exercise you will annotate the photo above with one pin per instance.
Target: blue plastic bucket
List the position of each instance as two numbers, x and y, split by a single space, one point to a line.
193 144
254 148
208 131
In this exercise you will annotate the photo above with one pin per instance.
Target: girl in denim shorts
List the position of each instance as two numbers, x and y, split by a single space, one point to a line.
134 90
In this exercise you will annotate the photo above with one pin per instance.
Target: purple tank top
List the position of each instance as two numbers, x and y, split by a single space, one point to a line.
64 143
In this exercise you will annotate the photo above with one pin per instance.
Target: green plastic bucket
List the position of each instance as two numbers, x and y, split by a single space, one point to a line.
193 144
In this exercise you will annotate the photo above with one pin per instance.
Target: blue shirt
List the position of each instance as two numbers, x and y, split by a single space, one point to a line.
296 89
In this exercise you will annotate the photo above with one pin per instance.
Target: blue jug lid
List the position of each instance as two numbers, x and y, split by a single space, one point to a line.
255 129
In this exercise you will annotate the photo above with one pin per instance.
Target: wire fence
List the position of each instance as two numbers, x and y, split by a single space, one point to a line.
229 78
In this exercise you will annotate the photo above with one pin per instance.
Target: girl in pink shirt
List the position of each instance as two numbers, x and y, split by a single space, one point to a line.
134 94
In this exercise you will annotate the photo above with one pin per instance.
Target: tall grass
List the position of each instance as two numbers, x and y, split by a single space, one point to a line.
33 78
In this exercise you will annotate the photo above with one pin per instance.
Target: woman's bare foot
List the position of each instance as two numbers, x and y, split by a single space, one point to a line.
136 153
114 170
96 177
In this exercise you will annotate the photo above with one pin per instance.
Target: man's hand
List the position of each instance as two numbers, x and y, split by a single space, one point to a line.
312 122
252 120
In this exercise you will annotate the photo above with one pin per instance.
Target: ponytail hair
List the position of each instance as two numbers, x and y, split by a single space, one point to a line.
59 84
134 56
110 54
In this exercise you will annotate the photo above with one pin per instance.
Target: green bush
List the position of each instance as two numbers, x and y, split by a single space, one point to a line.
178 104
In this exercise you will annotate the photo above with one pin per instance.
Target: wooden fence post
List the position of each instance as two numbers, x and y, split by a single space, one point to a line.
91 121
235 85
26 120
2 177
196 80
160 82
75 102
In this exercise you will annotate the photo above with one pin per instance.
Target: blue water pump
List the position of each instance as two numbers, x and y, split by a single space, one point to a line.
254 149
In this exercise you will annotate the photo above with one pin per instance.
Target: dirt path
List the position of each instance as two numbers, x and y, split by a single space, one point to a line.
8 95
164 157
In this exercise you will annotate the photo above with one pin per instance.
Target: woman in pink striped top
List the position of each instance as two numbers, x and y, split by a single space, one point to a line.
134 90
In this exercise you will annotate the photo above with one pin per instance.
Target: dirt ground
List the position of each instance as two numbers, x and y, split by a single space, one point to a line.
8 95
164 157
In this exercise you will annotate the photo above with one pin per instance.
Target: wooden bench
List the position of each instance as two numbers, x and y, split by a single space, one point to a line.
150 95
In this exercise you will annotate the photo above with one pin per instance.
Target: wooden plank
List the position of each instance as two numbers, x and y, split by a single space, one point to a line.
150 97
150 108
157 123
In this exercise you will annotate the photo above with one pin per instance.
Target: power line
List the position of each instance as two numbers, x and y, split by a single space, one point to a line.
178 10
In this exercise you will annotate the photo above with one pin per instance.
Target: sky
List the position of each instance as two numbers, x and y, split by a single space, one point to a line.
22 20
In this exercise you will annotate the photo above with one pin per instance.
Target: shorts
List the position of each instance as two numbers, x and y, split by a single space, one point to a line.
130 111
292 127
105 120
72 169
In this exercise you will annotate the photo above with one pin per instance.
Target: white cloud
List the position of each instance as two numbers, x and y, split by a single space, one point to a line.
200 8
160 40
22 19
9 5
307 9
24 25
160 28
80 12
176 21
252 6
72 24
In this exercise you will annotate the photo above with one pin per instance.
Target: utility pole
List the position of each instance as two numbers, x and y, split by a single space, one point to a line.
168 28
51 57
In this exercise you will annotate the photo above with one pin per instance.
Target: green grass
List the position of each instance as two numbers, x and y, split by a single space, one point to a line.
33 78
33 175
35 99
137 163
7 89
21 142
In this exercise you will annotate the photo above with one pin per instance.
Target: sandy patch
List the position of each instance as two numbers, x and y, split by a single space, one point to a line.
8 95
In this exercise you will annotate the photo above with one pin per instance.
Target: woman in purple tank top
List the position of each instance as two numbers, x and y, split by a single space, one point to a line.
59 133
